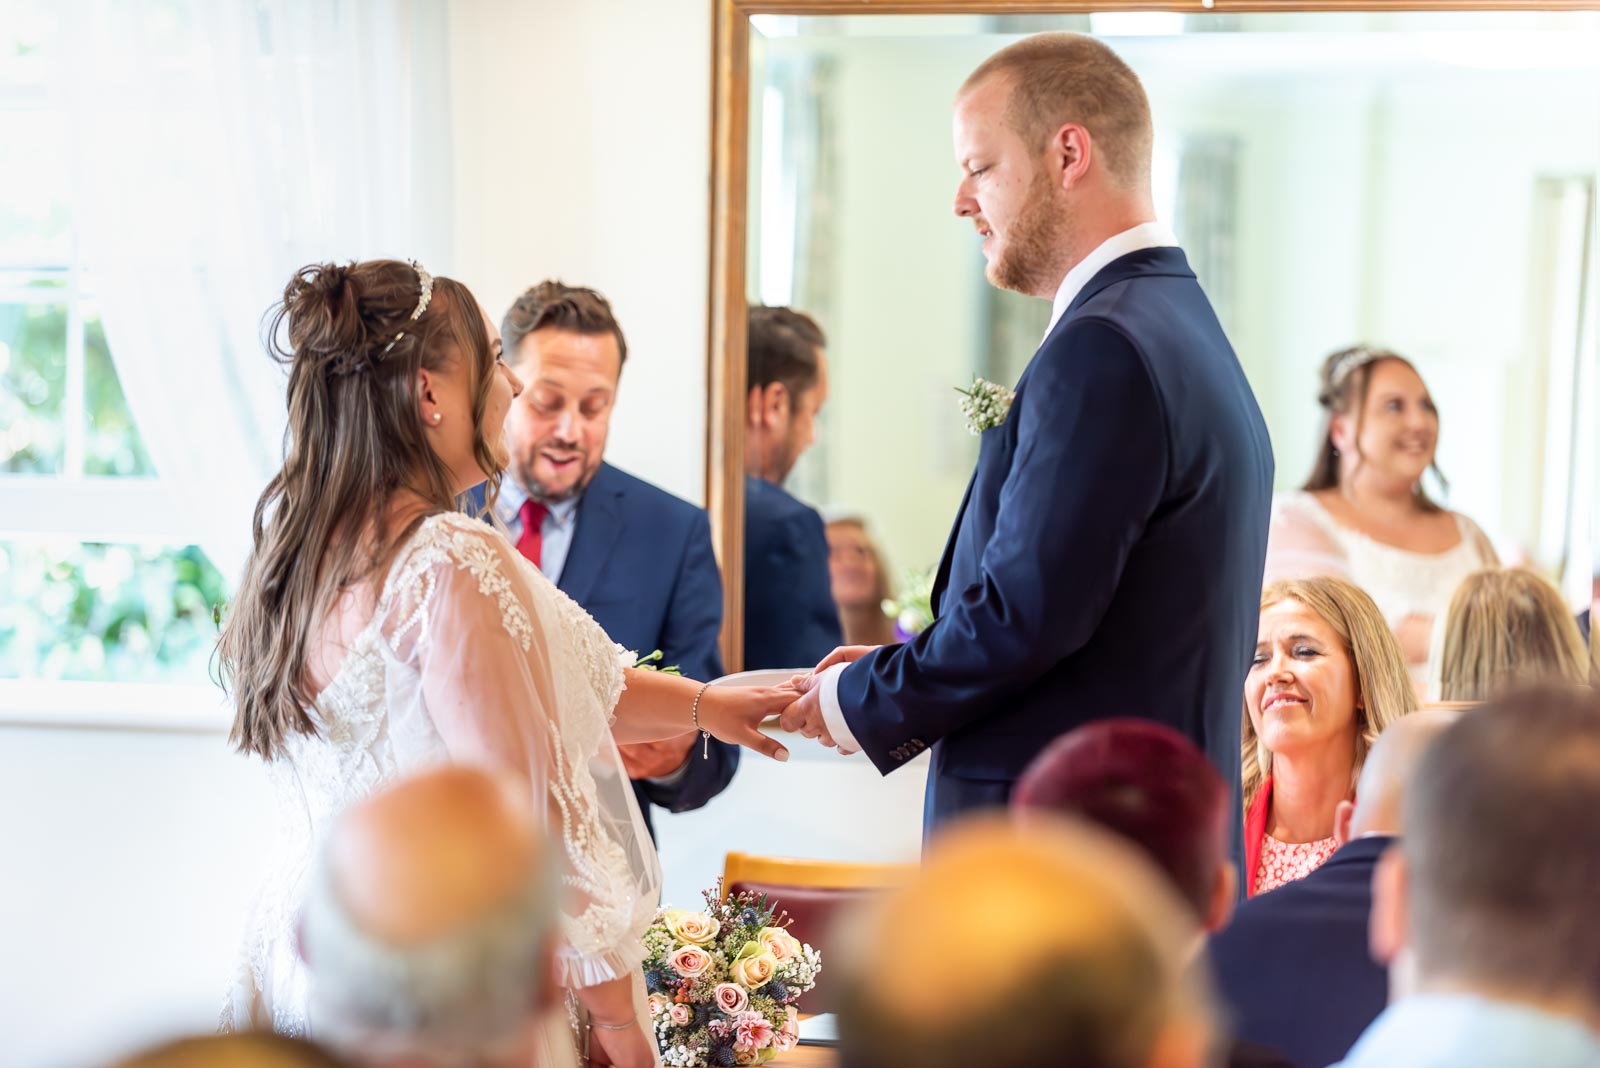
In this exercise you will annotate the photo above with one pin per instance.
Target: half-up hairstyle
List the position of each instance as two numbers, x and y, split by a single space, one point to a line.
355 437
1342 389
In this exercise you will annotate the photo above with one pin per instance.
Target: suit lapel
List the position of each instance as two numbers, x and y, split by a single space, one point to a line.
599 526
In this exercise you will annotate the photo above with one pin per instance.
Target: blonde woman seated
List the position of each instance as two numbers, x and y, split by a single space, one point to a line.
1326 679
1364 515
1505 628
860 583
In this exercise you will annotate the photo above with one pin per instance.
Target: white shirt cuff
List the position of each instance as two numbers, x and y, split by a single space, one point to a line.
832 714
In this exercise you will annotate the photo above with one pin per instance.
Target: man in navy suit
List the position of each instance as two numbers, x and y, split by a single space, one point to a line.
1293 966
790 619
1107 557
638 559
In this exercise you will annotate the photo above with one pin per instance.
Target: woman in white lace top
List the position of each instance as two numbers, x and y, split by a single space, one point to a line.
1364 515
378 631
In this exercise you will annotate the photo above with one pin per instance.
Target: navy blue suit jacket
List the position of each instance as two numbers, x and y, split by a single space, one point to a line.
790 620
641 564
1293 965
1106 560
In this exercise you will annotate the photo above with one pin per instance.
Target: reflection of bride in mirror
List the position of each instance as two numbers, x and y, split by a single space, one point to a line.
1364 515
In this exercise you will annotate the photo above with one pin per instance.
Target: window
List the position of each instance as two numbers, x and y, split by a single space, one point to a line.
97 582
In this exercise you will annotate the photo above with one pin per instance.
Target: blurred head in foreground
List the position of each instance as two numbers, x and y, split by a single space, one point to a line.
1492 890
429 930
234 1051
1045 943
1150 785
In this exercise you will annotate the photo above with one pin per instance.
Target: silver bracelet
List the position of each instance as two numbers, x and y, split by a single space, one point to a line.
613 1027
694 714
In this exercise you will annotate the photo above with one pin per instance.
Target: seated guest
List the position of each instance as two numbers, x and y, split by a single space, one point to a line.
430 931
860 583
1293 965
790 620
636 558
1508 627
1485 910
1326 679
1045 944
244 1050
1153 787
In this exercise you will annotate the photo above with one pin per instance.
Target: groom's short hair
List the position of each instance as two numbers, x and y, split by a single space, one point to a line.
1057 78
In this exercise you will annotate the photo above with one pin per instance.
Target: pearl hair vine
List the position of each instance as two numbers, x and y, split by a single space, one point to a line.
425 283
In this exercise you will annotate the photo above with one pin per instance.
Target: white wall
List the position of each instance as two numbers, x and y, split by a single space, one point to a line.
583 132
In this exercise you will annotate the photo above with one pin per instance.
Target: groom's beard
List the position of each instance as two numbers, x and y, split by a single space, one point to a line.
1034 245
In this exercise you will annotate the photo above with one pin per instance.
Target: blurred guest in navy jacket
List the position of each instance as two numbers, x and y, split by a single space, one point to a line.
790 620
637 559
1293 966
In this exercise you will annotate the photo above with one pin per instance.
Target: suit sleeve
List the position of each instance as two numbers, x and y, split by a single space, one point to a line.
1088 471
689 640
791 620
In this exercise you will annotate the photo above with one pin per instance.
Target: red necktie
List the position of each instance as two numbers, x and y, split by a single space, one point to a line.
531 544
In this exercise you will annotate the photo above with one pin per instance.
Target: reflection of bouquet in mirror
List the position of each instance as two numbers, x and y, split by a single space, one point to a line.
912 611
724 983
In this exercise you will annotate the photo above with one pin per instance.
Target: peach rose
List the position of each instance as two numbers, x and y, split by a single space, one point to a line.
658 1004
730 998
695 928
691 962
680 1015
754 971
788 1036
780 943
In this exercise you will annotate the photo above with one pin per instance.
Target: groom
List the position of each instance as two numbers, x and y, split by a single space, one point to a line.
1107 558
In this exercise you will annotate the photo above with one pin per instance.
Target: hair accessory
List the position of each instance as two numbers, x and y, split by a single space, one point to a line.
425 283
1359 356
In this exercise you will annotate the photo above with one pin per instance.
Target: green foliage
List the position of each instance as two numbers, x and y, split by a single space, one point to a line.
33 387
129 613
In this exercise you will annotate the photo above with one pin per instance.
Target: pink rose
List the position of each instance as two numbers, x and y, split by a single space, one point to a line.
680 1015
690 962
752 1031
788 1036
730 998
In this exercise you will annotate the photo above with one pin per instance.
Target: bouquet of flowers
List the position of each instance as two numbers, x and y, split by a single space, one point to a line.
913 610
723 983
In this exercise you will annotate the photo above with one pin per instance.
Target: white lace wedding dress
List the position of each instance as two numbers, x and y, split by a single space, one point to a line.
471 656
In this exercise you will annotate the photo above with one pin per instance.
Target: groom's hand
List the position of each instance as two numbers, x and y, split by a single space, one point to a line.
845 654
804 717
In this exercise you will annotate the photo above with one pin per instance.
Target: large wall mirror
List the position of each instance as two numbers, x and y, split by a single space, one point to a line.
1419 179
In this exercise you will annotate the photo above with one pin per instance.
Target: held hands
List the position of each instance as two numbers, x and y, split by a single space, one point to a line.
735 713
805 716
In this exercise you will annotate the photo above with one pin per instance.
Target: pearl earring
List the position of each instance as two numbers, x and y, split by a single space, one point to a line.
437 417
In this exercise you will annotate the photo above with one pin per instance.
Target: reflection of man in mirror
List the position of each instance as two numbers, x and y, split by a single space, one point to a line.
637 559
1107 557
790 619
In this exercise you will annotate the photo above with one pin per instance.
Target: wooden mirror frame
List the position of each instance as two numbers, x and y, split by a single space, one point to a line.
730 172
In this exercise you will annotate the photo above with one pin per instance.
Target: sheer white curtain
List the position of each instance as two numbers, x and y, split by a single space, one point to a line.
220 145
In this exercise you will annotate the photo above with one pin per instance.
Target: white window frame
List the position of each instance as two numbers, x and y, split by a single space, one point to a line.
88 508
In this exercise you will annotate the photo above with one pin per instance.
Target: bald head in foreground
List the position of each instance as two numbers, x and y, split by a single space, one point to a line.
430 928
1045 943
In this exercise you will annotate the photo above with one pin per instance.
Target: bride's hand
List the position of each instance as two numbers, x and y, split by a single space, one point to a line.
627 1048
734 714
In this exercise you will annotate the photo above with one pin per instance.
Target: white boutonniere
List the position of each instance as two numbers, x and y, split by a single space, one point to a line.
986 404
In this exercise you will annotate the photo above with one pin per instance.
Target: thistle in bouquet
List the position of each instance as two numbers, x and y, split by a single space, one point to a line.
724 983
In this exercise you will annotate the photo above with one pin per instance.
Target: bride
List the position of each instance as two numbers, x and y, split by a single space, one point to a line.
378 631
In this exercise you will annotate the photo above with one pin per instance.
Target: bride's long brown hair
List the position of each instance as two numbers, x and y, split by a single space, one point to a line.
355 438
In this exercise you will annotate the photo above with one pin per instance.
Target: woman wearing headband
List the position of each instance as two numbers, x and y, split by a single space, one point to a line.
378 631
1364 514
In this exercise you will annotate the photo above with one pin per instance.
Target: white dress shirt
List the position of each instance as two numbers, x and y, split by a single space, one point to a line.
1143 236
559 523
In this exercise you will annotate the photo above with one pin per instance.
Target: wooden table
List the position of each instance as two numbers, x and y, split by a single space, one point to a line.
808 1057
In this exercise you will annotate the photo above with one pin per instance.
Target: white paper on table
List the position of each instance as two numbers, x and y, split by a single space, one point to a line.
819 1030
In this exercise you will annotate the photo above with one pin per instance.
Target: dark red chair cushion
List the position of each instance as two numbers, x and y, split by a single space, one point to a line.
814 911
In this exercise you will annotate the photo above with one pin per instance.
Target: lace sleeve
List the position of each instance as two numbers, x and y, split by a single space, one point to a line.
509 672
1299 547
